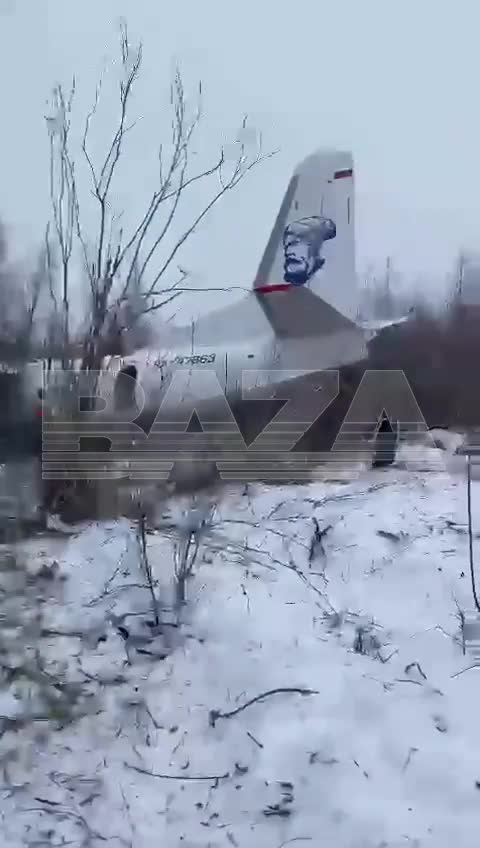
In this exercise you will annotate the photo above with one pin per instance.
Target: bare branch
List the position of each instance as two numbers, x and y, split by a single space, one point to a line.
180 141
208 777
155 306
86 131
118 262
33 294
214 715
131 63
49 261
240 171
63 196
158 292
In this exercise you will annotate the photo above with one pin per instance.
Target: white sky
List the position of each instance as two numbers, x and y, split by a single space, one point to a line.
397 83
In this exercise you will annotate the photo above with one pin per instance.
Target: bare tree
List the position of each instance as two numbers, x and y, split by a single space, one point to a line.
34 288
62 192
21 292
129 269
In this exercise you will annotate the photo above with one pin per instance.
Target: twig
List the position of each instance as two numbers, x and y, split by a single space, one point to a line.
291 566
106 589
47 801
317 540
418 667
69 814
152 718
409 757
277 810
387 534
123 588
177 776
254 524
252 737
180 742
463 670
385 660
245 594
461 618
214 715
142 540
126 807
184 563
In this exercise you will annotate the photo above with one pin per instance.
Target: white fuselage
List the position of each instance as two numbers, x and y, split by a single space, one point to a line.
234 350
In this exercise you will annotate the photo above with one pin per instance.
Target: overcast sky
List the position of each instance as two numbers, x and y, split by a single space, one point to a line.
395 82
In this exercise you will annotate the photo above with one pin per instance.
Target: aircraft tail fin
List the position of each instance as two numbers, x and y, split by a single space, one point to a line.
306 280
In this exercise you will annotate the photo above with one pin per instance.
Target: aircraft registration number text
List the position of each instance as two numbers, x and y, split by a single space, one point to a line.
204 359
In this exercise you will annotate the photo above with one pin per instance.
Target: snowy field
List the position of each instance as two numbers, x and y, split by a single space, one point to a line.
374 741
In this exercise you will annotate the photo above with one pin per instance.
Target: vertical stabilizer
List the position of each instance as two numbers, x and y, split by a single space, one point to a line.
312 244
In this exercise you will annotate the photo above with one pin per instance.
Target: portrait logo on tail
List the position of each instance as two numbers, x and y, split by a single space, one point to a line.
303 240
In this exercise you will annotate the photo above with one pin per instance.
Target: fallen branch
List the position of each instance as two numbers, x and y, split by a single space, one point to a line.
214 715
388 534
62 813
277 810
463 670
290 565
409 757
123 588
252 737
410 666
177 776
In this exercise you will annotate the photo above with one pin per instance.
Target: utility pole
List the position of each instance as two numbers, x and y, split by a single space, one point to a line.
388 304
460 279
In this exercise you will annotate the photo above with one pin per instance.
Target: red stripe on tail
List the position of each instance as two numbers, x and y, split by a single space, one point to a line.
273 288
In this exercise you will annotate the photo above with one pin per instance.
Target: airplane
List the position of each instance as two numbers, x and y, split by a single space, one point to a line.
301 311
296 325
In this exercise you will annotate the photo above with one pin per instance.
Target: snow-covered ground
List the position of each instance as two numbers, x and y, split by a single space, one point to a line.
378 748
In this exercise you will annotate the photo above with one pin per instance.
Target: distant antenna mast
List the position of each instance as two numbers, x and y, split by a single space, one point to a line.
460 278
193 335
387 293
388 271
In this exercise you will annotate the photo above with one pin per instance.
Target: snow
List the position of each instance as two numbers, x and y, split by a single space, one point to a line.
384 752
